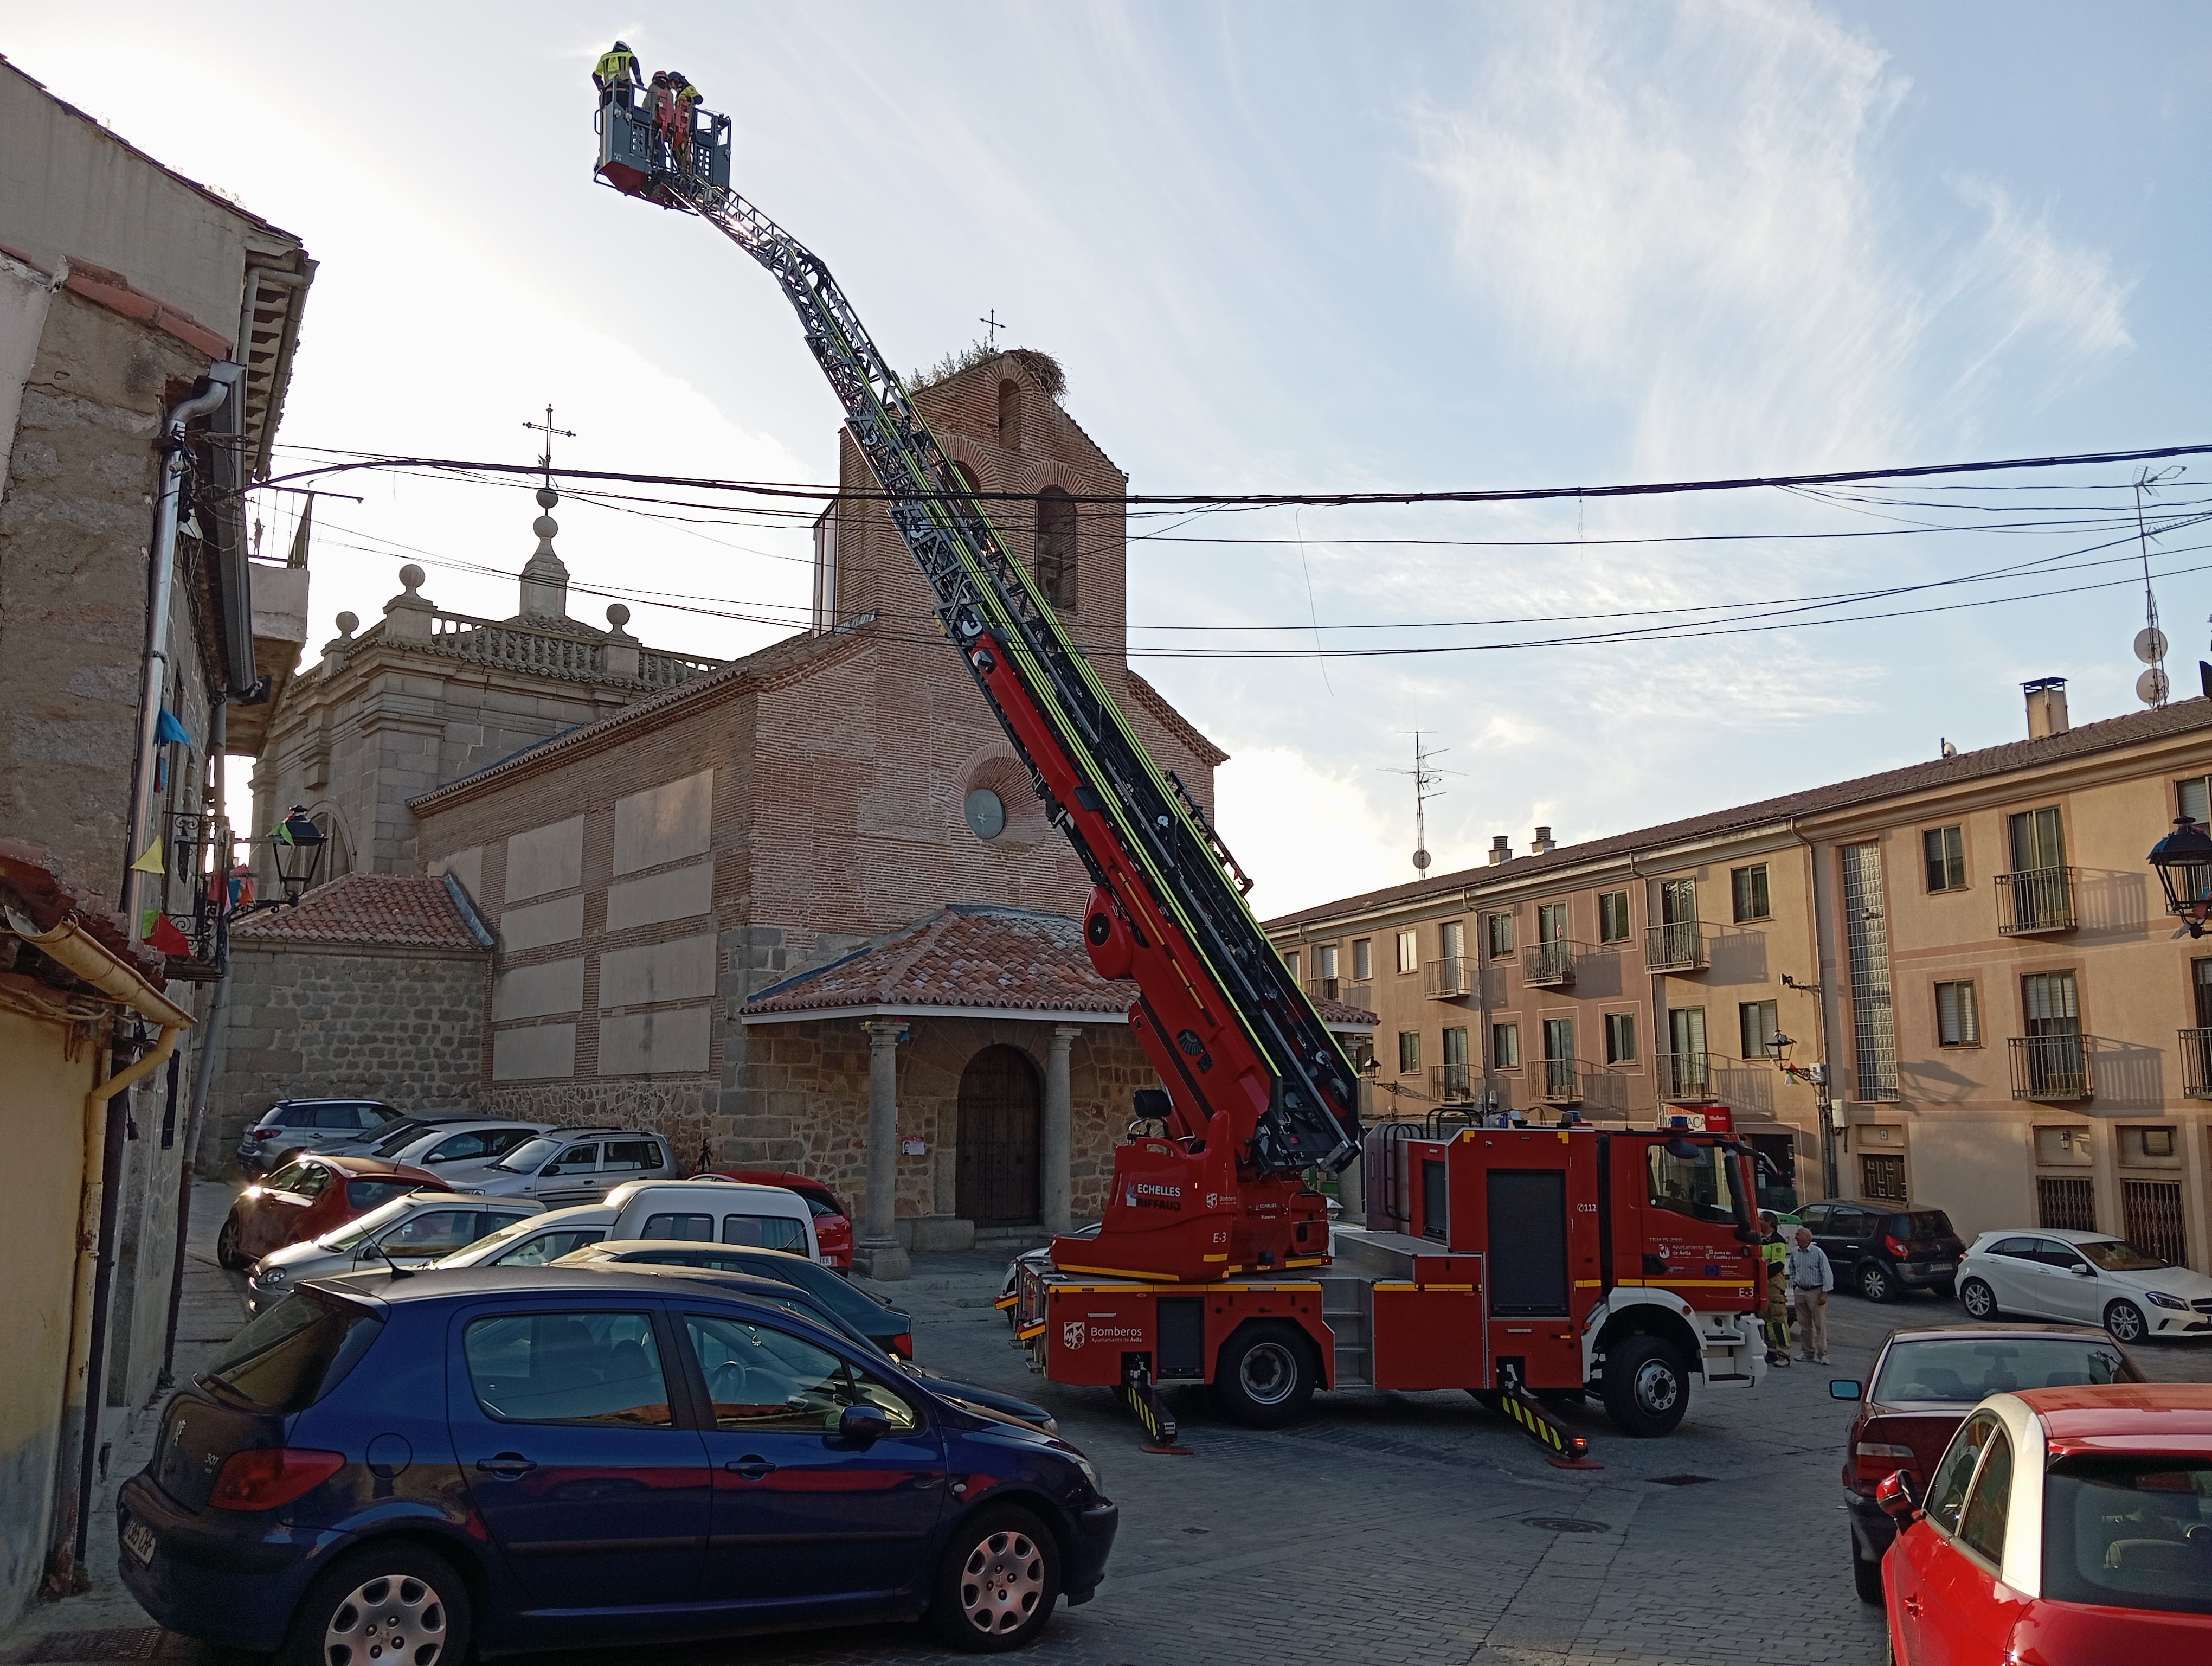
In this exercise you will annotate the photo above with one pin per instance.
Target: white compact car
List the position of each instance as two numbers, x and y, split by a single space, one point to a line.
536 1239
408 1231
2088 1278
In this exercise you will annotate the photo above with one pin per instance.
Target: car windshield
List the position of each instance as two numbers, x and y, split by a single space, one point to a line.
1693 1178
396 1142
359 1229
1963 1370
529 1155
2115 1256
485 1249
2132 1532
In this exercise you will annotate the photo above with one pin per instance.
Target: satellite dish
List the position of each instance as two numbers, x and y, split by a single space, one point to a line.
1421 860
2151 687
2150 645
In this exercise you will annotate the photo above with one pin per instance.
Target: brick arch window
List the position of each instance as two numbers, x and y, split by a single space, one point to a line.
1010 414
1055 547
967 476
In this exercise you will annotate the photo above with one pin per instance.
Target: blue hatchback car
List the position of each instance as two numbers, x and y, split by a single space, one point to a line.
393 1472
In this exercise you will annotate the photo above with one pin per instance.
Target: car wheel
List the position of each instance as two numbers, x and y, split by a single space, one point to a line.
1646 1388
388 1604
998 1583
1866 1576
2125 1321
226 1248
1978 1299
1266 1375
1875 1281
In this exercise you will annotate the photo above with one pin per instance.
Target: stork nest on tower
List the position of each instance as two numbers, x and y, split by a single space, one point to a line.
1041 368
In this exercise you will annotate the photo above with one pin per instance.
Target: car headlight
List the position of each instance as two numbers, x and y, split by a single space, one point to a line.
272 1277
2159 1299
1089 1473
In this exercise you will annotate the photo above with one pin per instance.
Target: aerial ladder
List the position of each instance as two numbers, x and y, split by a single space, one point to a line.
1205 1265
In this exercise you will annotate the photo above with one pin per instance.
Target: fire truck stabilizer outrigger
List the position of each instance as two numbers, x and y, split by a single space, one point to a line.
1521 1264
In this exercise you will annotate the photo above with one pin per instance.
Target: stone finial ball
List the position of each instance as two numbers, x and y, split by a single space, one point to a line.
347 623
618 614
411 576
547 497
545 526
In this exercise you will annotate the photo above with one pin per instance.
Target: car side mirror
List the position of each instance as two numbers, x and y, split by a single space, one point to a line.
1843 1388
1894 1495
863 1425
2082 1269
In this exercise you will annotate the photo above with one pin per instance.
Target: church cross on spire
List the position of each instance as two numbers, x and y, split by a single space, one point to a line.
546 428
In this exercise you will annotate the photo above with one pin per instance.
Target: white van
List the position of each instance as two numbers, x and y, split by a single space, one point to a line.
712 1211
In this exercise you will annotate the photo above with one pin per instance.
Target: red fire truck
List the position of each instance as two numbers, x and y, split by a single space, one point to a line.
1521 1261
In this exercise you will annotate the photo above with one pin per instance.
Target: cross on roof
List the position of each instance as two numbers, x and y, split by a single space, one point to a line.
990 322
546 428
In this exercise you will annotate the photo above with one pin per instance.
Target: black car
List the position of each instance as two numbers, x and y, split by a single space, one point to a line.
405 1469
1882 1252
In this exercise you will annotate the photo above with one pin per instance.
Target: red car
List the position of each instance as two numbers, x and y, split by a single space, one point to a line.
308 1197
833 1226
2062 1527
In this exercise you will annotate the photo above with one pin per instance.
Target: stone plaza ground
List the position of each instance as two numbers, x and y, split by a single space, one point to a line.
1386 1528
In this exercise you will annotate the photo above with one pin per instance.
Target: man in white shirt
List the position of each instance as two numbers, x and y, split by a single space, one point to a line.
1810 1278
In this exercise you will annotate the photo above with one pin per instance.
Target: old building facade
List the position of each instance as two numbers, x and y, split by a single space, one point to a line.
1971 952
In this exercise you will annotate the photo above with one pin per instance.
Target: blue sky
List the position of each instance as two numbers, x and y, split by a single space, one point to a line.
1286 247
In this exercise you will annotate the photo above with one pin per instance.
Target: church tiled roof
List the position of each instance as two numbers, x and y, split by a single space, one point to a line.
971 956
394 911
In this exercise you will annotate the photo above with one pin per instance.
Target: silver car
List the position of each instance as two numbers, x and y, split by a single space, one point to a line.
457 1148
409 1231
292 1126
537 1239
576 1166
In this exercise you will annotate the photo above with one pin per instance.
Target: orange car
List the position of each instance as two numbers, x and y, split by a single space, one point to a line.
308 1197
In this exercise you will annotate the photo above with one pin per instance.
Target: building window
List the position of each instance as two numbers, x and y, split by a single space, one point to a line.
1620 1038
1457 1085
2038 839
1505 1046
1882 1178
1363 959
1056 548
1945 848
2150 1218
2066 1202
1749 885
1409 1052
1451 944
1612 917
1010 414
1958 1017
1325 960
2193 799
1291 960
1756 1020
1551 922
1498 928
1409 952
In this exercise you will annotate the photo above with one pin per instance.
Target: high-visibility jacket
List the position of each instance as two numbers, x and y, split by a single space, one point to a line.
617 67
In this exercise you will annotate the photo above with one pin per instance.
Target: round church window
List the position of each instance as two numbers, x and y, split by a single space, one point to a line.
987 813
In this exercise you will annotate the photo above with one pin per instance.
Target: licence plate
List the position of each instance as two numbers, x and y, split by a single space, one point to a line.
138 1538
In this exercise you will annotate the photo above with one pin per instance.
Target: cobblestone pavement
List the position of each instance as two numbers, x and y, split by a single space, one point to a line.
1386 1528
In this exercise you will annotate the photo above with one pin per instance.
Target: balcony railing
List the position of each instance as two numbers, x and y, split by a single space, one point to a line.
1556 1081
2036 899
2197 1064
1548 966
1682 1077
575 659
2051 1069
1453 1084
1679 947
1338 988
1450 979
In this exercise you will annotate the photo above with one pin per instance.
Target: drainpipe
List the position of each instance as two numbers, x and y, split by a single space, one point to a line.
154 679
1824 1097
77 952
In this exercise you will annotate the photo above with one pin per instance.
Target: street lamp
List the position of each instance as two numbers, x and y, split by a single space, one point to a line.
1777 1049
2184 860
297 844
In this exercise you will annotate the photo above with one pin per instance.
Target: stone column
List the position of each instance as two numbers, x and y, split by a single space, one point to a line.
878 1254
1056 1146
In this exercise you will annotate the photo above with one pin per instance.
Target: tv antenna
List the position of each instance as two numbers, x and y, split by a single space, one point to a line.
2152 687
1428 783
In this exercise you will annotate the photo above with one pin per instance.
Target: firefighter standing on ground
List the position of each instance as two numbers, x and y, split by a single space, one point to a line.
1811 1279
615 76
1774 1252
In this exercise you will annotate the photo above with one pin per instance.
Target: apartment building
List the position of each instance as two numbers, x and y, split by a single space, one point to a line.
1952 984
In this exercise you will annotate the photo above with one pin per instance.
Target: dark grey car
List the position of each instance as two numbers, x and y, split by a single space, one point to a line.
291 1126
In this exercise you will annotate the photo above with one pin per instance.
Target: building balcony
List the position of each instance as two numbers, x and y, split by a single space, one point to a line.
1683 1077
2051 1070
2197 1064
1548 966
1340 989
1556 1081
1679 947
1450 979
2036 900
1453 1084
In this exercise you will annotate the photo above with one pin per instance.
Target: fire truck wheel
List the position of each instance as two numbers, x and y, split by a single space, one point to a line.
998 1582
1646 1390
1266 1376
